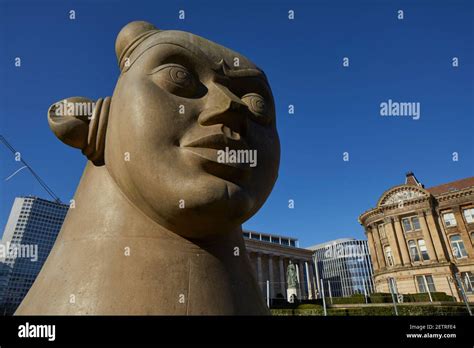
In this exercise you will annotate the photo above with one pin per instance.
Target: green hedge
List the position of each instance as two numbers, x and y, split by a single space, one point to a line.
315 311
304 309
381 297
281 311
402 310
357 298
284 304
369 311
360 299
308 306
377 311
425 297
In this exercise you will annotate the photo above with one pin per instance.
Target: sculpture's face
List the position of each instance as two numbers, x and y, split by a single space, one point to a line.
173 114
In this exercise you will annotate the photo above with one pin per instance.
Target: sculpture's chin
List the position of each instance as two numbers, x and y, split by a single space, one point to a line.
201 218
213 194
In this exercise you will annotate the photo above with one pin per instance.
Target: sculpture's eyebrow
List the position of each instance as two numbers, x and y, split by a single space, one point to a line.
216 62
245 73
178 43
218 66
223 68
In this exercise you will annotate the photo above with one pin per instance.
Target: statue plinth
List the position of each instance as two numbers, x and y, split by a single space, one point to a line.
292 294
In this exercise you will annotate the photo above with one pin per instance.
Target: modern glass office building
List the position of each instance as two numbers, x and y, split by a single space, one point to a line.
344 268
5 272
29 236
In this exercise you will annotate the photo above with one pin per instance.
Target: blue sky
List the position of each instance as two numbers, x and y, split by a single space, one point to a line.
337 109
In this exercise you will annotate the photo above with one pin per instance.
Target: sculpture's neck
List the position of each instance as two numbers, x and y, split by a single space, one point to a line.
99 198
165 273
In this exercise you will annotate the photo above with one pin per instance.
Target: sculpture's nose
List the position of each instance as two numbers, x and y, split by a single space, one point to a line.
224 107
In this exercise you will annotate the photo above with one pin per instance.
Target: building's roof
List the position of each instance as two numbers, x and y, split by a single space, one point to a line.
253 245
43 200
439 190
335 241
452 186
271 235
410 179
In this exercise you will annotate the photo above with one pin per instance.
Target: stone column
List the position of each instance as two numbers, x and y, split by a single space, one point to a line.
298 274
317 280
464 233
373 254
308 285
402 243
282 278
302 284
270 275
438 246
427 237
311 277
392 240
378 246
259 271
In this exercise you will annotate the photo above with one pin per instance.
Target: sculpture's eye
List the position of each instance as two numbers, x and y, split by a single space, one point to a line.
176 79
256 104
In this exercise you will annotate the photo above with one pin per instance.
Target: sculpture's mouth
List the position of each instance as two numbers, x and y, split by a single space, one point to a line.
229 158
219 157
218 141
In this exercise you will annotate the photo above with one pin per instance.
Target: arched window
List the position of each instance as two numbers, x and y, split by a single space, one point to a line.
381 229
457 245
389 256
449 219
414 254
469 215
423 250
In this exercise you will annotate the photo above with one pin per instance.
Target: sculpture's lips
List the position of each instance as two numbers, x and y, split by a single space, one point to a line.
208 150
207 159
217 141
213 156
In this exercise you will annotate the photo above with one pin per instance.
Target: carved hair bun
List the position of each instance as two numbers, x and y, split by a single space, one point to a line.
130 37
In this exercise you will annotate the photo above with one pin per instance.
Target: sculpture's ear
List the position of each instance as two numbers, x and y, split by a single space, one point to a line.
81 123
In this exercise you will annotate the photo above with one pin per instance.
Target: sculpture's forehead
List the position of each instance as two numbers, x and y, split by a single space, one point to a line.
199 46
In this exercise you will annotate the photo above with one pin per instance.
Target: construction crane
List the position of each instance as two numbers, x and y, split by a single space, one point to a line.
36 176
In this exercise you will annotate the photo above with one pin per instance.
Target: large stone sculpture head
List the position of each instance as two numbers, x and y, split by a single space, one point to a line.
179 102
156 225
